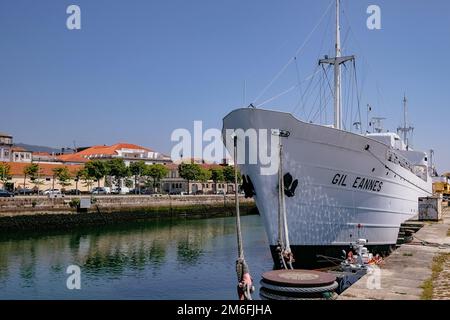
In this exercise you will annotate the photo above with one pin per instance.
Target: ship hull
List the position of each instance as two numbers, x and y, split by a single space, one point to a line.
347 188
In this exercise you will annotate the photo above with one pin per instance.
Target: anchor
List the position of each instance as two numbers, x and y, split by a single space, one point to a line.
289 185
247 186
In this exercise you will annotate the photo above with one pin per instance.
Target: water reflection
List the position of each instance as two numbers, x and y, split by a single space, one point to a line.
163 259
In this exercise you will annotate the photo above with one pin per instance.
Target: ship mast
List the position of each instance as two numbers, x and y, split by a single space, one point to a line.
405 129
405 114
336 62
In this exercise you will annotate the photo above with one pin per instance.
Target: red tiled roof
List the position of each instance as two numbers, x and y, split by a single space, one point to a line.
110 150
124 145
17 168
43 154
74 157
171 166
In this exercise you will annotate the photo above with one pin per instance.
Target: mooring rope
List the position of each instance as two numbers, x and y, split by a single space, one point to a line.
284 249
281 246
245 282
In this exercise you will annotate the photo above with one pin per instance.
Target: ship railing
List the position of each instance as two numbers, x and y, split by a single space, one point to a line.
400 160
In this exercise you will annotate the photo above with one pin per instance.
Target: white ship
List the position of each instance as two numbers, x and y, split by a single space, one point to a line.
349 185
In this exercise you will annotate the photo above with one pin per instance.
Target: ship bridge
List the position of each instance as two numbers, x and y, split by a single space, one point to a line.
388 138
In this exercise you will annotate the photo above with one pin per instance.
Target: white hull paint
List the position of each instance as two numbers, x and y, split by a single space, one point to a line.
322 213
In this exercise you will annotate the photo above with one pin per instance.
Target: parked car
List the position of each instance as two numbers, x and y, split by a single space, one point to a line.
123 190
24 192
73 192
101 190
6 194
51 191
147 191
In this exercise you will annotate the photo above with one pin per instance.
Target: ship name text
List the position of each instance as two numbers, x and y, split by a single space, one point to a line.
361 183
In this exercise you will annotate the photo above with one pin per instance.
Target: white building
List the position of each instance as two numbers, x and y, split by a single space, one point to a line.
19 154
5 147
126 151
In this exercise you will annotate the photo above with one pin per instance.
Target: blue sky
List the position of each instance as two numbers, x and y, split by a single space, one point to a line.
139 69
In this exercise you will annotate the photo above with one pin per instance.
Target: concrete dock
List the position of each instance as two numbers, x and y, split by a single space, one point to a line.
411 268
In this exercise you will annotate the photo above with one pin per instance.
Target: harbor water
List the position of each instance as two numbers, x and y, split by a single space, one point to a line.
159 259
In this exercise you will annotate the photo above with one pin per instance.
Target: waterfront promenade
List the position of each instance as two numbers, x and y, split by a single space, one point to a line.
37 213
418 270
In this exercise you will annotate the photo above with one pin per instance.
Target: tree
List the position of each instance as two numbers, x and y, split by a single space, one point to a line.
63 176
5 173
78 176
87 179
156 172
31 171
118 170
205 175
217 176
137 169
96 169
228 174
189 172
